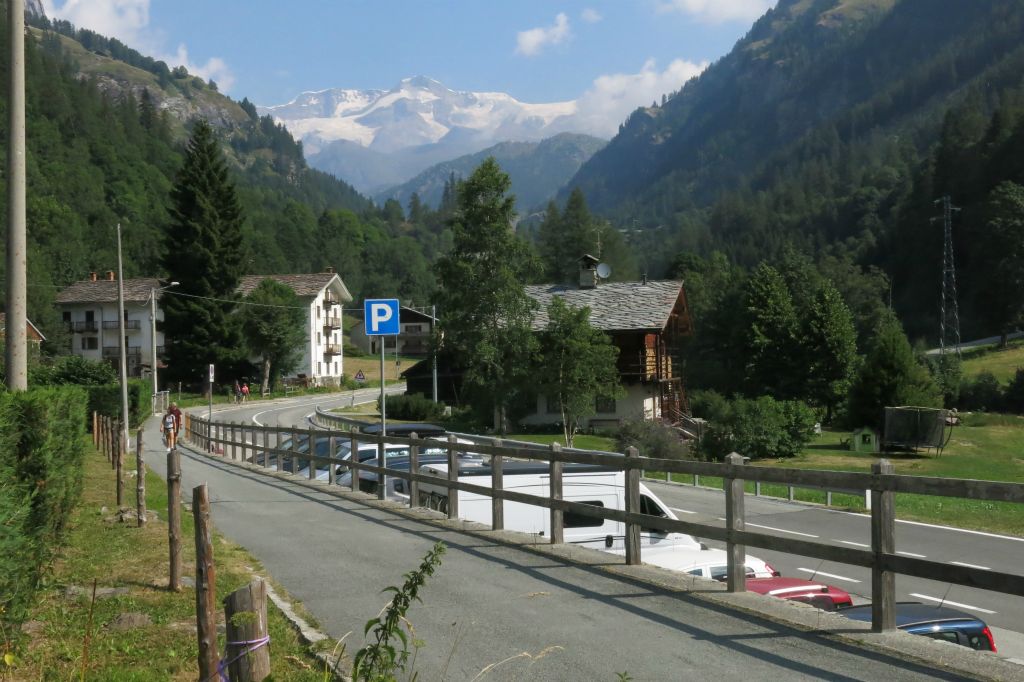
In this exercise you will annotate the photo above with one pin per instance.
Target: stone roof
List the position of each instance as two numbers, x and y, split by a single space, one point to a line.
304 285
614 306
33 331
105 291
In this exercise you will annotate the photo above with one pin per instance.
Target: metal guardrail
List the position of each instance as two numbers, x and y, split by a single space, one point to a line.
249 442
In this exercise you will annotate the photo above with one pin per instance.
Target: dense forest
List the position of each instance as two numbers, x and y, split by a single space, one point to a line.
828 131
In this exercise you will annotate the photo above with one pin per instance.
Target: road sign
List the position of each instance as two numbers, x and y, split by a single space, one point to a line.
360 377
381 315
211 374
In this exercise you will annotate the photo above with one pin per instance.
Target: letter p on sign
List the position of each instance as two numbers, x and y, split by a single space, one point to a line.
381 315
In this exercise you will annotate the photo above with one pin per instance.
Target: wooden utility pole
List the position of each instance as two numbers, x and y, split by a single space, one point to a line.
16 348
206 585
247 653
174 518
140 480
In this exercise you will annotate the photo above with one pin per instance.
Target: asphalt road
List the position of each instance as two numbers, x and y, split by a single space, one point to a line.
816 524
489 602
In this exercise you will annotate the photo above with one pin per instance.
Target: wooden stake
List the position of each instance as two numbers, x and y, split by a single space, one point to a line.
174 518
247 652
119 463
140 480
206 585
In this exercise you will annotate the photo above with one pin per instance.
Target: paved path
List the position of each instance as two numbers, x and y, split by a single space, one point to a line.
490 602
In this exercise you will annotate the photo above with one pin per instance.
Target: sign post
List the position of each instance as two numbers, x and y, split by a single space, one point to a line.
382 319
210 413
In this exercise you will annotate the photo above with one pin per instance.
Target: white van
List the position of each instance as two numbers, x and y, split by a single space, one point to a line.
706 563
586 484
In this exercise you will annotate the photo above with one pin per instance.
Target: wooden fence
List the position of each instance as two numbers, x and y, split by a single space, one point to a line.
262 445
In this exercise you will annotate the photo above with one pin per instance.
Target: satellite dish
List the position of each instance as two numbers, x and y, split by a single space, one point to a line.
604 271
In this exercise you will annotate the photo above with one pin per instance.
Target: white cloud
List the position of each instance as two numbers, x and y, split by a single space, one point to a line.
534 40
590 15
716 11
128 21
612 97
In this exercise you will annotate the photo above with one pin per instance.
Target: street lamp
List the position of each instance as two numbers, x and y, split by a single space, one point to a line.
152 328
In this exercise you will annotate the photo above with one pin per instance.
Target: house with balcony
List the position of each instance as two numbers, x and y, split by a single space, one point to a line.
416 326
323 296
89 312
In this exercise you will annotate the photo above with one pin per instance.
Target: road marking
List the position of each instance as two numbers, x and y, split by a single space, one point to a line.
682 511
828 575
934 525
960 563
951 603
855 544
781 530
292 406
916 556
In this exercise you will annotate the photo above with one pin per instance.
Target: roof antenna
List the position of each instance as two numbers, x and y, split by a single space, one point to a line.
943 601
816 569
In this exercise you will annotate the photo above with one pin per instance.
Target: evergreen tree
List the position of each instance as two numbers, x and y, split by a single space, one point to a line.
1002 301
771 328
548 242
890 377
485 314
204 254
272 325
564 237
576 365
830 345
416 210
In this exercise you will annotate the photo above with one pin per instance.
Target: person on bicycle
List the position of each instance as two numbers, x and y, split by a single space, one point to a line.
169 429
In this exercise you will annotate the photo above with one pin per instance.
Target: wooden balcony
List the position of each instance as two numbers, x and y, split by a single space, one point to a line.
84 326
128 324
332 349
133 352
332 322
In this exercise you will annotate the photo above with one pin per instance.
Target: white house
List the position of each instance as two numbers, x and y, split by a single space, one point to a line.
89 311
323 294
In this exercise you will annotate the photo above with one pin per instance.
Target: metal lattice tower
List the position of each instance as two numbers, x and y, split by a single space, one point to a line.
949 321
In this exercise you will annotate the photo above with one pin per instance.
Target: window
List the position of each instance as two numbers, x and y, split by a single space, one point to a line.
413 328
979 642
604 405
574 520
335 367
650 507
318 338
944 636
90 316
721 573
319 368
65 316
90 343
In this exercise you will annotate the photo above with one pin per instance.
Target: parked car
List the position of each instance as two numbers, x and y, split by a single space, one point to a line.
825 597
703 563
406 430
938 622
397 457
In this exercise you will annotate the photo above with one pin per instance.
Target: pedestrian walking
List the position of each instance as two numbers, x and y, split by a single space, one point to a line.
245 391
168 428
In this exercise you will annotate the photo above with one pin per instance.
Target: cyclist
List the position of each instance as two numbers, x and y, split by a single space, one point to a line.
169 428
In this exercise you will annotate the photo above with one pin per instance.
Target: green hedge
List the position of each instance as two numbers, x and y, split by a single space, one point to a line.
413 407
42 446
106 399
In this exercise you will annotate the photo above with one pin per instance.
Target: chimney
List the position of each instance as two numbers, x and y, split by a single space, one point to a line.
329 270
92 276
643 279
588 271
110 276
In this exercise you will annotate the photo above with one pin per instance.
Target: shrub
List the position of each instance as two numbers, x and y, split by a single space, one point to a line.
106 400
759 429
413 407
981 393
42 446
1013 396
652 439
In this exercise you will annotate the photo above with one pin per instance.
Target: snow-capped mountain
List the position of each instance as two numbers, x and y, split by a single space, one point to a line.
380 138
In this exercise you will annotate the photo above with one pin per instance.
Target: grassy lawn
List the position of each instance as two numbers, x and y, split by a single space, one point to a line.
1001 362
370 366
581 441
135 559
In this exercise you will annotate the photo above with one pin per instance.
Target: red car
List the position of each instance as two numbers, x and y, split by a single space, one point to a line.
824 597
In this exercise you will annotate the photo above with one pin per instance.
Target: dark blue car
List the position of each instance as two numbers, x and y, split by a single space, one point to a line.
937 622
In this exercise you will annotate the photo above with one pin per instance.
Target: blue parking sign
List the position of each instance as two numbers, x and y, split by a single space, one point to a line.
381 315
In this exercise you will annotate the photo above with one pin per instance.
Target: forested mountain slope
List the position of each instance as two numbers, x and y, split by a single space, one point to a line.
832 126
105 131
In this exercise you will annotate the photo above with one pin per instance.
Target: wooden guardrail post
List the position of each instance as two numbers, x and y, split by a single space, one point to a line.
295 452
332 455
119 463
233 428
453 476
245 614
105 435
381 462
555 492
883 541
140 480
96 429
206 585
632 476
414 468
497 485
312 453
353 458
174 518
734 521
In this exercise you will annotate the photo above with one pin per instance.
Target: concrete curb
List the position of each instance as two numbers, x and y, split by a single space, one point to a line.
803 617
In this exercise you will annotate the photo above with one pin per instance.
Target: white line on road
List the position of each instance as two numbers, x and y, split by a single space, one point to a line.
855 544
828 575
682 511
960 563
934 525
951 603
292 406
916 556
781 530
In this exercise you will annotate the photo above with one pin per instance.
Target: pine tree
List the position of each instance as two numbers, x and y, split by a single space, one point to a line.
771 330
1002 303
548 242
831 348
485 314
204 254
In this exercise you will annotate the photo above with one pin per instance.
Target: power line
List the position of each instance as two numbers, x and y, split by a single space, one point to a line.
234 302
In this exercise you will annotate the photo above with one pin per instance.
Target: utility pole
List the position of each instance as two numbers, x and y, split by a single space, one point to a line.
433 323
949 319
16 353
122 343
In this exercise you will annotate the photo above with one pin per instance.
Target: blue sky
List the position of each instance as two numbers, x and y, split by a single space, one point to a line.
536 50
